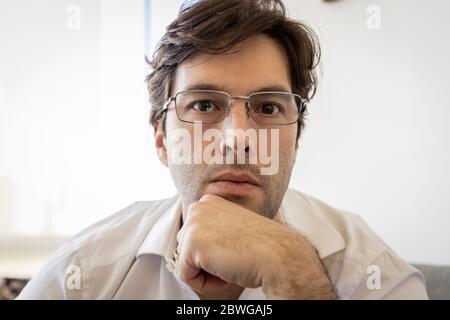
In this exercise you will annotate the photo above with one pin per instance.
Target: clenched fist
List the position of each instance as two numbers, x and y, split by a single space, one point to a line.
223 243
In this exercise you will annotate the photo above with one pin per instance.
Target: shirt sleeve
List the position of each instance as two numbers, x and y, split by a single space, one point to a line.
61 278
389 277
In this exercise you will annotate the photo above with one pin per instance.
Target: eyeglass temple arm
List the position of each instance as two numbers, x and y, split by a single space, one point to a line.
305 103
166 105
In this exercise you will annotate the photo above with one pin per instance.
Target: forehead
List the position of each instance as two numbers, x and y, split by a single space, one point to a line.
259 62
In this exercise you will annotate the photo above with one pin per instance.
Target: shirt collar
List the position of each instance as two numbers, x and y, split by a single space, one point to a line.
311 218
305 214
162 238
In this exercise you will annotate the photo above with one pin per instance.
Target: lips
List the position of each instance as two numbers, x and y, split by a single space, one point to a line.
232 183
236 178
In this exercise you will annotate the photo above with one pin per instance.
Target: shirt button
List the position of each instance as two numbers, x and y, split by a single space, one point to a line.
170 267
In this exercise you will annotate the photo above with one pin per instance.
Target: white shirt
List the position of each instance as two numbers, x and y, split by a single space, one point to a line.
129 256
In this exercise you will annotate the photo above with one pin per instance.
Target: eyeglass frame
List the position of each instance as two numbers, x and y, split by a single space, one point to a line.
303 101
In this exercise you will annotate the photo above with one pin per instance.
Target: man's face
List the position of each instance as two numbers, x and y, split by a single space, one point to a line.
257 63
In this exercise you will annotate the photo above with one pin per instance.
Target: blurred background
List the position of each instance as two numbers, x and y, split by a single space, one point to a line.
76 146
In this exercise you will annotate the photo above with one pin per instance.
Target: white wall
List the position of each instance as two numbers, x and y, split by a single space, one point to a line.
377 142
75 145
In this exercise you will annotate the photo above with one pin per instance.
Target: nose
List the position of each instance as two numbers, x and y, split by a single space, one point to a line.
238 134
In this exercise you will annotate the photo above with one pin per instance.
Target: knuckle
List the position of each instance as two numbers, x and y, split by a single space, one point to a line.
180 273
195 212
194 208
207 197
194 235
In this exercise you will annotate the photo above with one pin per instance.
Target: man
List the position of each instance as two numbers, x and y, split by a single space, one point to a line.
235 230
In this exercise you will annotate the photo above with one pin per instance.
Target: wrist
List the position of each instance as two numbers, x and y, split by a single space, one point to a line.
296 272
289 285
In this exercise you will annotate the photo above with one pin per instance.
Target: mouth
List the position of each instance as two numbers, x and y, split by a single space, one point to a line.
234 183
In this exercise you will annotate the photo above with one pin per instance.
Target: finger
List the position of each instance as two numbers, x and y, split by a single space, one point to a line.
209 197
183 228
180 235
206 283
198 279
190 271
187 271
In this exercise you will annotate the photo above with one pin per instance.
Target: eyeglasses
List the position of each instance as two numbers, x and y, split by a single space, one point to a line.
210 106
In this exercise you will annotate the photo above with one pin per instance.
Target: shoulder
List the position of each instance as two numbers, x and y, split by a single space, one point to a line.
121 233
104 250
356 252
359 239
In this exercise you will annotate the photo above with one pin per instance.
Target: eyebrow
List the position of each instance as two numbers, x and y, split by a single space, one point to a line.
206 86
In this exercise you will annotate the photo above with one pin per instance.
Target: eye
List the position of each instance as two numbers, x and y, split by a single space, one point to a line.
204 106
268 109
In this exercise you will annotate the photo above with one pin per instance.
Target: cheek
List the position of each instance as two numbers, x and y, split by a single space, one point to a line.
177 134
289 135
288 139
171 123
281 140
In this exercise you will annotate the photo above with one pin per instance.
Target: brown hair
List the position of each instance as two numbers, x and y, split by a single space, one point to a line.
216 26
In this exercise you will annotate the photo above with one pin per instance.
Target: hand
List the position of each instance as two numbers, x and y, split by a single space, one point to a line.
221 243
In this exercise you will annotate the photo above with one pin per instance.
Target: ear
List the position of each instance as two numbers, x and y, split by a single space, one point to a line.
160 143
